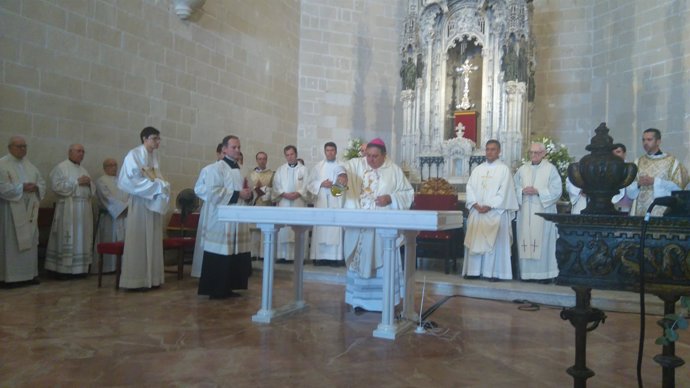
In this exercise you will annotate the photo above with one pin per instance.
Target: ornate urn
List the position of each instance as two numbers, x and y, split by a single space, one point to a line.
601 174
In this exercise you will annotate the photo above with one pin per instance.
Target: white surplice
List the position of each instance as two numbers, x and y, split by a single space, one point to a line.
149 197
112 203
219 184
289 180
578 199
70 246
19 219
536 237
363 249
326 241
202 194
489 235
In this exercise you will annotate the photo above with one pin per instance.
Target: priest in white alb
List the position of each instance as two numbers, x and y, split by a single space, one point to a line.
326 241
289 190
492 203
21 191
149 197
538 187
377 184
70 245
112 211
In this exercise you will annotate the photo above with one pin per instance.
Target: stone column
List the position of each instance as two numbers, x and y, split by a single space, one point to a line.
407 97
511 136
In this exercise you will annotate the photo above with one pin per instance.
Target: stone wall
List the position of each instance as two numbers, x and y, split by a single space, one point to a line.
349 82
96 72
618 61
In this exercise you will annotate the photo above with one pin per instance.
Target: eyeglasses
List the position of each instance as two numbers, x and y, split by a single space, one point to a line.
535 152
19 146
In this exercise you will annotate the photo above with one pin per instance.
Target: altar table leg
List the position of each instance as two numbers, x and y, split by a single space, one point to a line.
298 280
387 329
269 233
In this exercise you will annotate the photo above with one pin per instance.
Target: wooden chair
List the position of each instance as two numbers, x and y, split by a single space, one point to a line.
116 248
181 244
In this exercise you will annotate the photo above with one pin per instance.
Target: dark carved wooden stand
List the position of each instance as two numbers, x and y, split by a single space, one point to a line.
668 359
580 317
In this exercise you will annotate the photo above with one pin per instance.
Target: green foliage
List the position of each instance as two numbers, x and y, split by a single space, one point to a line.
558 155
673 322
352 150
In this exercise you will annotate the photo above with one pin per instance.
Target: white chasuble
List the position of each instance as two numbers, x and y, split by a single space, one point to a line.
71 235
18 219
531 228
363 249
489 185
489 235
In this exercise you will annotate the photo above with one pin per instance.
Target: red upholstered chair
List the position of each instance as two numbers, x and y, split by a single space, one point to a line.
442 244
181 244
110 248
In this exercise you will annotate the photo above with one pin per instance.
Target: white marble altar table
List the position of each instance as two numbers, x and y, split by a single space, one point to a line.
387 224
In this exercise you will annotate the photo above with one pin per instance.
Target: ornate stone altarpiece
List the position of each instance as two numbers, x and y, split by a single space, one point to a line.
490 38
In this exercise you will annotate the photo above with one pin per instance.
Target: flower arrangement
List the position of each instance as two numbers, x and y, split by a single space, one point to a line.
353 148
558 155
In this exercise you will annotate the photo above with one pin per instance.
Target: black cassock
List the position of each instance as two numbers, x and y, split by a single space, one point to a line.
220 274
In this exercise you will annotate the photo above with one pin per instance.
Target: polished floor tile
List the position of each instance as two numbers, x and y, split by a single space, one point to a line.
71 333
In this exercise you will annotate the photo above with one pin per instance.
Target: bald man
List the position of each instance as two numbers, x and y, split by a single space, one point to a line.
21 190
69 250
112 211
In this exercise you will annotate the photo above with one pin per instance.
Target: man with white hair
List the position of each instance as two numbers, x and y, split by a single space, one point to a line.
70 249
112 211
21 190
538 188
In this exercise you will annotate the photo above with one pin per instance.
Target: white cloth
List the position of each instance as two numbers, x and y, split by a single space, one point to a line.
536 237
112 203
19 219
326 241
578 200
70 245
220 184
289 180
489 235
363 249
202 193
140 177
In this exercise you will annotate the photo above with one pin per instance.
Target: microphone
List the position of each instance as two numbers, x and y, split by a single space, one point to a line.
661 201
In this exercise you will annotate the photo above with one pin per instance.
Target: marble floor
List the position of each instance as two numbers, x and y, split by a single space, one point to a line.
71 333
